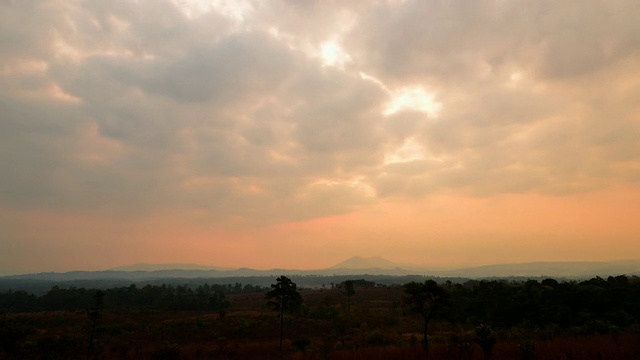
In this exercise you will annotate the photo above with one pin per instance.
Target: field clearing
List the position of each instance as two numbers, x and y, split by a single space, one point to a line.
380 329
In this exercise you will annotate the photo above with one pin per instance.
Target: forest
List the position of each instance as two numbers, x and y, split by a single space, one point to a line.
479 319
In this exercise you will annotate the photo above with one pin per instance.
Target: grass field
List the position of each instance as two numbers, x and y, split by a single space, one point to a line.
380 329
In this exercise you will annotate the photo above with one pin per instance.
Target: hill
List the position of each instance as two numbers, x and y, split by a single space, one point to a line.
158 267
578 269
358 262
352 267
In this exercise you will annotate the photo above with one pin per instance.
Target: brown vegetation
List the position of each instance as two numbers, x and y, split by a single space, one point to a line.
381 329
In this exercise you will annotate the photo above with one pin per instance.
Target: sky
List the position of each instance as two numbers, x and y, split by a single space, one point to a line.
296 134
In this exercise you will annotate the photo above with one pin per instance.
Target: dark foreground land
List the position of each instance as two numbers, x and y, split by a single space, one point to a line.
595 319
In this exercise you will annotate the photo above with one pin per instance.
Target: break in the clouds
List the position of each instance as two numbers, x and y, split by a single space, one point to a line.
261 113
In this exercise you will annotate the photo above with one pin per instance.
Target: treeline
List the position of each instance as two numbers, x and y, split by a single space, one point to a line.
594 306
149 297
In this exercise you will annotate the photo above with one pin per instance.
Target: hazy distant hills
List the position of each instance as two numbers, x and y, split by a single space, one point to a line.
352 266
582 269
358 262
156 267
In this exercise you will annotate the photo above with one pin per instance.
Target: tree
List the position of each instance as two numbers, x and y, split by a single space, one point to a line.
485 337
219 303
349 290
94 313
424 299
283 297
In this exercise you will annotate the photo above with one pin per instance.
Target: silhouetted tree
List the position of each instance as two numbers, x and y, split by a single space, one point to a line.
424 299
219 303
94 313
284 297
485 337
349 290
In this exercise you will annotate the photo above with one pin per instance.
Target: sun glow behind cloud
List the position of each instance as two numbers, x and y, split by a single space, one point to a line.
413 98
332 54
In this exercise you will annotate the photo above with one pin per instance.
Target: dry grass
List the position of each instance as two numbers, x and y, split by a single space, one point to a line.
250 331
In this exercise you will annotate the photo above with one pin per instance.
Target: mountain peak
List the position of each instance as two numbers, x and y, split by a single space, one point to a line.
359 262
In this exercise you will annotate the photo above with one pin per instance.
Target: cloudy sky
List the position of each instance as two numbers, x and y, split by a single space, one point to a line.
298 133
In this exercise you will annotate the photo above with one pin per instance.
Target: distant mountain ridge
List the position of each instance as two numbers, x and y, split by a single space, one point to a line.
575 269
156 267
353 266
358 262
568 269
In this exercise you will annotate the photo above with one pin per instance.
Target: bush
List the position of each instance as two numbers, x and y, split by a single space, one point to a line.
377 337
301 344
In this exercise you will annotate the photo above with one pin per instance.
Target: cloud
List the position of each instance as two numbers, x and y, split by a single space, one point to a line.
524 94
126 108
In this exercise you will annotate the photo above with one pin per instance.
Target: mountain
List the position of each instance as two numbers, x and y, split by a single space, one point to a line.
355 266
578 269
358 262
157 267
560 269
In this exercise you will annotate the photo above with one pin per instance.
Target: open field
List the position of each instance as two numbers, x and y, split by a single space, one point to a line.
380 328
